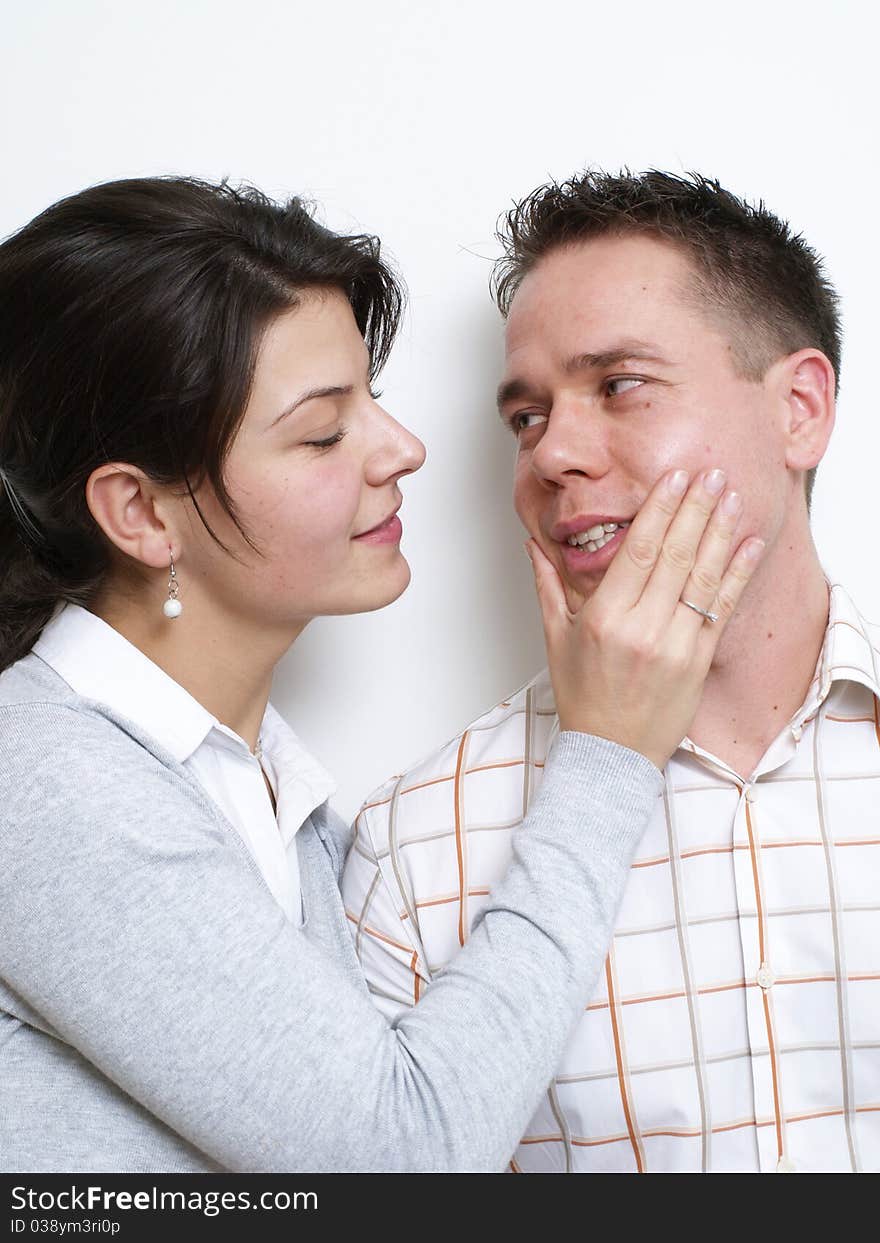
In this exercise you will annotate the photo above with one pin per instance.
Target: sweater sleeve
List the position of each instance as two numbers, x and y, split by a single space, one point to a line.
134 922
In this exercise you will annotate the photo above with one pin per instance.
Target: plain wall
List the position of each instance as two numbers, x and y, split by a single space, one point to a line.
421 123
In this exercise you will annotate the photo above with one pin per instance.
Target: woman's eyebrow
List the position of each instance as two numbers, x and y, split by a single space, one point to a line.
331 390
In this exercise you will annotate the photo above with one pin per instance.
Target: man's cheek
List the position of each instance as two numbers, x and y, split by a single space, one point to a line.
526 512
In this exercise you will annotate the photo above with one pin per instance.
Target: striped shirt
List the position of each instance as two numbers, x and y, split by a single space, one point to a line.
737 1023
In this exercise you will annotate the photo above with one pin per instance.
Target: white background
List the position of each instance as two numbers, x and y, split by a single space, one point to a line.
422 122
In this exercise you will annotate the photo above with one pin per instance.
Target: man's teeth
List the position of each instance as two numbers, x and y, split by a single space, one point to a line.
597 537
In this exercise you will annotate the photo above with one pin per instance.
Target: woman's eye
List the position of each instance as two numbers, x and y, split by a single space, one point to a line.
622 384
328 441
528 418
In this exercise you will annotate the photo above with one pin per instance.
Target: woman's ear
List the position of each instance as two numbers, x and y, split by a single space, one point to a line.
133 513
807 389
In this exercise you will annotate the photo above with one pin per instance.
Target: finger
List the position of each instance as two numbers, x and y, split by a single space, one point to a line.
626 577
551 593
736 578
713 556
678 554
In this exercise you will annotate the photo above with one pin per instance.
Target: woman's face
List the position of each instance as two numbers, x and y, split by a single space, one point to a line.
313 474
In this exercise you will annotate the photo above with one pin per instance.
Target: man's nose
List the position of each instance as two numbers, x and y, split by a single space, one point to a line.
574 443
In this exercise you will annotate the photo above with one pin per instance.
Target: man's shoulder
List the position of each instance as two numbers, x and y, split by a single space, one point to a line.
490 753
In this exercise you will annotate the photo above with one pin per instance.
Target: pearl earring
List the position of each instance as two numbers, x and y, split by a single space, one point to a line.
172 606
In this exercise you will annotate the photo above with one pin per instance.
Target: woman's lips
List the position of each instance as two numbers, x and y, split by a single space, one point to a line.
581 561
387 532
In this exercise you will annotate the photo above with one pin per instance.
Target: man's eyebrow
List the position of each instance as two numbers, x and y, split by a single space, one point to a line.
332 390
629 351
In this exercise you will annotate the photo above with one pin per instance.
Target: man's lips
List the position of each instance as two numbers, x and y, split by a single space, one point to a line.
582 522
578 559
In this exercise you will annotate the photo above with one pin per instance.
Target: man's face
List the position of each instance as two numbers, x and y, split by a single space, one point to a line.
613 377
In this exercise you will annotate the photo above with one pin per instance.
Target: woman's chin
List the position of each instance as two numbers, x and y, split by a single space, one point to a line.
377 593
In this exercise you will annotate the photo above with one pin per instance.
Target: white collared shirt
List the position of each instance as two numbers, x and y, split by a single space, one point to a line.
736 1026
98 663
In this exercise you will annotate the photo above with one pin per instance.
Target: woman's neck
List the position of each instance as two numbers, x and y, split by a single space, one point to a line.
225 664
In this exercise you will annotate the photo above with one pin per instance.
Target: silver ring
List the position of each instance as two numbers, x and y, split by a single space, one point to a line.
712 617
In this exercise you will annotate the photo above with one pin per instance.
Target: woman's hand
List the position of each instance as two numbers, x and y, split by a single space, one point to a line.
630 663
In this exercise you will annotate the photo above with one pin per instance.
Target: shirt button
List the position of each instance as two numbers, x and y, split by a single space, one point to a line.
765 977
785 1165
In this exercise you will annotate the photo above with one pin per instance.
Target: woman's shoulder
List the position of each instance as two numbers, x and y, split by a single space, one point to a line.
29 681
61 750
39 710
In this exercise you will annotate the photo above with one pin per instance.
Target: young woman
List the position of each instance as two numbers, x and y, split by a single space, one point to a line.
193 467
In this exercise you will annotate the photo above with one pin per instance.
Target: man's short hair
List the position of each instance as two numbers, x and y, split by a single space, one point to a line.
763 283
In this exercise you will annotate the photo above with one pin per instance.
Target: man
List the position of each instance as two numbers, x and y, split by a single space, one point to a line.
656 321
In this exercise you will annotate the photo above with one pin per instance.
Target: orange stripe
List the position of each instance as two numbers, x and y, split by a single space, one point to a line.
421 786
472 893
417 981
484 768
478 768
459 844
766 1000
690 854
620 1075
728 850
642 998
514 1167
684 1133
848 720
380 936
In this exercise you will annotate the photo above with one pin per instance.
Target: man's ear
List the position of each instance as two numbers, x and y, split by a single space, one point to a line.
133 513
807 392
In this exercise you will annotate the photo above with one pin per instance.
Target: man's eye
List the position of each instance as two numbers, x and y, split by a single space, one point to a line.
622 384
528 418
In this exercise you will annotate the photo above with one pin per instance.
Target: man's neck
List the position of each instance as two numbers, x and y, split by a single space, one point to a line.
766 658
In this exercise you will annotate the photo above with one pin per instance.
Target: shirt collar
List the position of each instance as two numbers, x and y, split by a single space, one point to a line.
300 782
98 663
848 654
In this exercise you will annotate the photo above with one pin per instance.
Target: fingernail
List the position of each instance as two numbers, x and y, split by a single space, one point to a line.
714 481
678 483
753 549
731 504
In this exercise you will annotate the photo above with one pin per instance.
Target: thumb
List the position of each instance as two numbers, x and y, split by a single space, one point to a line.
548 584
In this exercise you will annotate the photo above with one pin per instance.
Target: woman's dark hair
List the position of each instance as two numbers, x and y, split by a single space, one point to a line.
763 280
130 319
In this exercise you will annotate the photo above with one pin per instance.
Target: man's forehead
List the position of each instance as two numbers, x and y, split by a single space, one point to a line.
630 280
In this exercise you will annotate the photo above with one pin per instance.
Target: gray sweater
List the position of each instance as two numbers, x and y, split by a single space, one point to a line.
159 1013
